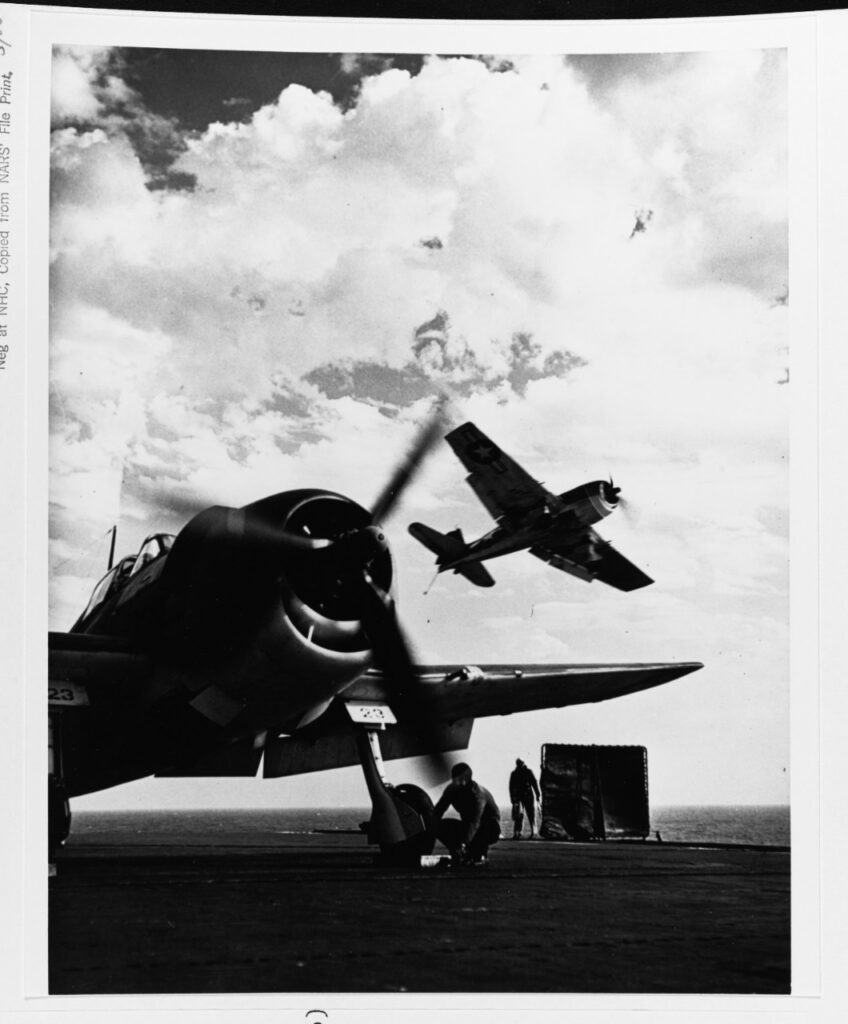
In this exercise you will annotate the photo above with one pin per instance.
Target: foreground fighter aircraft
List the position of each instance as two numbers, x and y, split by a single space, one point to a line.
268 634
556 528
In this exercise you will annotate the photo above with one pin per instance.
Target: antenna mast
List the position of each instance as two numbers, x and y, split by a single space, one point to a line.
112 547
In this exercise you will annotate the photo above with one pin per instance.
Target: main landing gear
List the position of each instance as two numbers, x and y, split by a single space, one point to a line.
401 816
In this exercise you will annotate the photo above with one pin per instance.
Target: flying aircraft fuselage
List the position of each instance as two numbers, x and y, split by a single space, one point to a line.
557 528
563 519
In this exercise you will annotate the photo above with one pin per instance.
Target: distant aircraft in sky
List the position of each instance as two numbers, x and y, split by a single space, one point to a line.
554 527
268 635
643 218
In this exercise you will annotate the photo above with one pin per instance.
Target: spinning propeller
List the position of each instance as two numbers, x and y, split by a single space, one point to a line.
338 561
614 496
611 492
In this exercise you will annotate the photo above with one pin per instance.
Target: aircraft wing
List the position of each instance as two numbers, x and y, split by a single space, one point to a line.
498 481
609 566
105 673
481 691
457 696
330 742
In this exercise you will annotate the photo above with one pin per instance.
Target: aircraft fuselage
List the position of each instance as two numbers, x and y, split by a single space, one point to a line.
219 638
561 518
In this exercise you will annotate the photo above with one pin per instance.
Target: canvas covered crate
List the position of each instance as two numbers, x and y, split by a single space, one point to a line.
594 792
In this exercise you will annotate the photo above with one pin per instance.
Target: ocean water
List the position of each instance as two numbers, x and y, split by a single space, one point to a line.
745 825
750 825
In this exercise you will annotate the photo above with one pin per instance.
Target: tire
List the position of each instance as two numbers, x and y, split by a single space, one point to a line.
418 800
410 850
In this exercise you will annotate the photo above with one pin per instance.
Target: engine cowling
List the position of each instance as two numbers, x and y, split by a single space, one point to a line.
591 502
267 613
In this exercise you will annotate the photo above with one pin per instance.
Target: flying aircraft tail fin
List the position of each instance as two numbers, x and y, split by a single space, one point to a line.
448 547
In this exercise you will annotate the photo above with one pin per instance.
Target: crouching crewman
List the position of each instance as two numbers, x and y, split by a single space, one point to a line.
479 826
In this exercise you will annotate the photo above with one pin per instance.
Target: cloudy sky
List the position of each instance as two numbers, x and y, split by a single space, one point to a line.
264 267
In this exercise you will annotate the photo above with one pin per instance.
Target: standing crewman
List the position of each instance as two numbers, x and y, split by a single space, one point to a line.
523 792
479 826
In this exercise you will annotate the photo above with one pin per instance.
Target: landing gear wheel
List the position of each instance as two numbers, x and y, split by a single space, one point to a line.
412 849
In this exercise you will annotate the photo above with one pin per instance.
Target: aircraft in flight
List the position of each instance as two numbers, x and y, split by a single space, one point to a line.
557 528
268 635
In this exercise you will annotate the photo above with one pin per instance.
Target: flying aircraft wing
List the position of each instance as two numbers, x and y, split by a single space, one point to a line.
609 566
498 481
458 695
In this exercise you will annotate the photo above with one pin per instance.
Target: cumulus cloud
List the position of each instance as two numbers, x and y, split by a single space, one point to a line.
73 89
275 301
721 162
89 87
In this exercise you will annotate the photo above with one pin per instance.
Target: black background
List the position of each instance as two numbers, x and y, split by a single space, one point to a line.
479 9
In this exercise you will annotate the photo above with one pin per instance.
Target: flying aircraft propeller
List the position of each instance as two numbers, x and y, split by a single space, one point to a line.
611 492
630 510
625 504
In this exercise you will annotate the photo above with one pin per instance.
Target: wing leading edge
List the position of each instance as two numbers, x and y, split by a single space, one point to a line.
458 696
507 689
